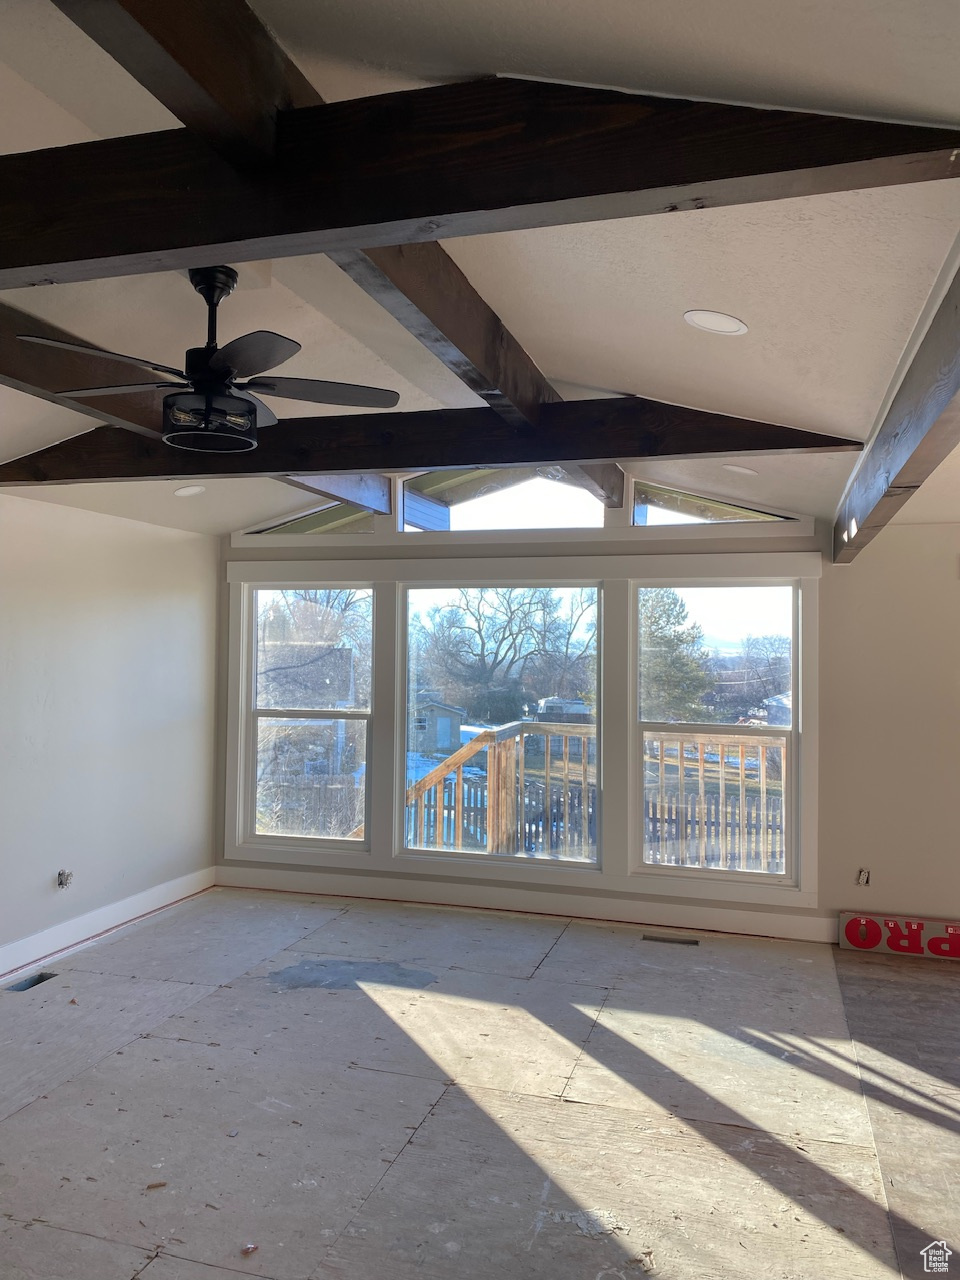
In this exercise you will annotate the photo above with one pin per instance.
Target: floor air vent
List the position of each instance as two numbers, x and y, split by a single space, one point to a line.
33 981
660 937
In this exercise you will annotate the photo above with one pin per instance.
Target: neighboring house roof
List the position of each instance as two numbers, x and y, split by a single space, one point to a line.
779 700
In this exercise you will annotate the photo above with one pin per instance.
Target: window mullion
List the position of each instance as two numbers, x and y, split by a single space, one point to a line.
312 713
387 717
618 822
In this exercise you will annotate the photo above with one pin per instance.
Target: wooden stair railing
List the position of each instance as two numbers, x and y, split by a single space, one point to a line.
452 764
507 779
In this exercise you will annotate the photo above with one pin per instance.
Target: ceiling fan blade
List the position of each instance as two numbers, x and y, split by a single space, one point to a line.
79 348
265 415
124 389
253 353
317 392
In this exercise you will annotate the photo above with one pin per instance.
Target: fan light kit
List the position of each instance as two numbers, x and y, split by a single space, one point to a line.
210 423
716 322
209 411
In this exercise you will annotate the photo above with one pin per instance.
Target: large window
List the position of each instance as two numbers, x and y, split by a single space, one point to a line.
311 711
717 727
614 725
501 731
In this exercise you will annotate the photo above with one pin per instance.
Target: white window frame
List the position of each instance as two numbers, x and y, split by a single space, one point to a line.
464 857
619 868
242 832
800 792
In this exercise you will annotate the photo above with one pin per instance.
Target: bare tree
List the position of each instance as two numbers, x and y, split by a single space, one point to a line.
493 648
313 655
766 665
314 644
567 663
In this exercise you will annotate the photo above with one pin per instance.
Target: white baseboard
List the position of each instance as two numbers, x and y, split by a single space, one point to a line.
40 947
720 918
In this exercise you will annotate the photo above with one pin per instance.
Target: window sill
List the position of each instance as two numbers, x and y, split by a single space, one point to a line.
301 851
727 889
720 886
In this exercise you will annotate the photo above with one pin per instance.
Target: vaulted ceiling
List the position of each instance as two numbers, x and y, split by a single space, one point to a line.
575 227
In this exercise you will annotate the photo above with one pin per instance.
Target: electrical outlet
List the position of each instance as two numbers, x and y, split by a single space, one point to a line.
64 879
863 875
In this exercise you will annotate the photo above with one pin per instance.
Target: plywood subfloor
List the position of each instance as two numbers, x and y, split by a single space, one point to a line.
367 1090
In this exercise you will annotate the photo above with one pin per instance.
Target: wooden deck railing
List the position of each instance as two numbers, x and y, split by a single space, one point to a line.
532 790
722 807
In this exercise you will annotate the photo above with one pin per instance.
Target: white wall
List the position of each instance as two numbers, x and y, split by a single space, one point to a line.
890 724
107 730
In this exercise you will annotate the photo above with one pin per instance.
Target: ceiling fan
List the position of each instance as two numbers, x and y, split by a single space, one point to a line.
209 411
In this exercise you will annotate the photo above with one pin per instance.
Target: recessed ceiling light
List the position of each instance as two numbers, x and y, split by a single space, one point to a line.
189 490
715 322
741 471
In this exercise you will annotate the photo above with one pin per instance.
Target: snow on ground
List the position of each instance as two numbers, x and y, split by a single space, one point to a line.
418 766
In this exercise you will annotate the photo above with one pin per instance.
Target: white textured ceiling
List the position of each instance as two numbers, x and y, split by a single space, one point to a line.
225 506
832 287
96 98
887 59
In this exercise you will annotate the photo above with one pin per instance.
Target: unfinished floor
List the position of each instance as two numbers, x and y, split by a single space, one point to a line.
375 1091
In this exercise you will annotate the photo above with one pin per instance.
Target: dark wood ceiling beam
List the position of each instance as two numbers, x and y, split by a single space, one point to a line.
212 63
43 371
606 429
921 427
178 51
175 50
424 289
604 480
371 492
428 164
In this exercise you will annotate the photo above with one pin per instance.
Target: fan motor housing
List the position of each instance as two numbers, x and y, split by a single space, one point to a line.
209 423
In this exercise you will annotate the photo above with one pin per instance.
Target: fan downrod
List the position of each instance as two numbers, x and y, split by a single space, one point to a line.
213 285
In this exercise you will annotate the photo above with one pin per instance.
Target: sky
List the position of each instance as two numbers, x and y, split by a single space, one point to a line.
533 504
543 504
730 614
